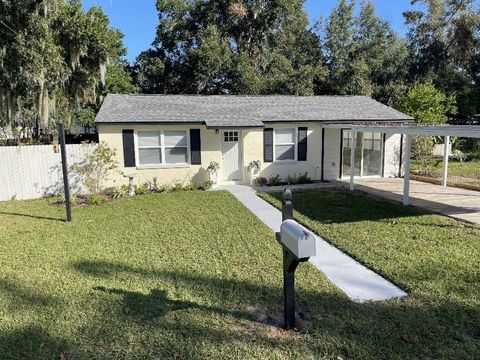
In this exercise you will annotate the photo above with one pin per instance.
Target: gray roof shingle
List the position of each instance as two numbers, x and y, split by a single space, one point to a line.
242 111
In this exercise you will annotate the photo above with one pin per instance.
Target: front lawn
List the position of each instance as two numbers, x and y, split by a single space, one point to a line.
195 275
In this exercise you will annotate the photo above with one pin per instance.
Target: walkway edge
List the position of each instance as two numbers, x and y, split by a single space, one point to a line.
360 283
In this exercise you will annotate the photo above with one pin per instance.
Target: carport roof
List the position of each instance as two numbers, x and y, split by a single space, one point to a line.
229 111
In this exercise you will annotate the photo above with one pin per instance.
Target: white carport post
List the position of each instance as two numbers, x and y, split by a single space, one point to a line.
445 160
353 145
406 177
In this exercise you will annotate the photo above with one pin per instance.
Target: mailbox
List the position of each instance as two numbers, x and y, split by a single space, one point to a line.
298 239
298 245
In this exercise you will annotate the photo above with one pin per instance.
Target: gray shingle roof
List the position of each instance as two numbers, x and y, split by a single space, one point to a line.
241 111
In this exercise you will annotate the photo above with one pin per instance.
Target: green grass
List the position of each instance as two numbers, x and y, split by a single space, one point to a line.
469 170
436 259
194 275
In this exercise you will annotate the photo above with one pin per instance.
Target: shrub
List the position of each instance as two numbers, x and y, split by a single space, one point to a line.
422 149
120 192
262 181
274 180
200 185
177 186
291 180
153 185
95 199
96 167
304 179
142 189
459 155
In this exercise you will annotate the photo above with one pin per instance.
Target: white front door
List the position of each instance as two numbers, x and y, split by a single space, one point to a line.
231 169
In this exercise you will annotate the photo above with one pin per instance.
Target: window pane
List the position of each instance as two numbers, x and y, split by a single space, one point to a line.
175 138
149 138
285 136
150 156
284 152
176 155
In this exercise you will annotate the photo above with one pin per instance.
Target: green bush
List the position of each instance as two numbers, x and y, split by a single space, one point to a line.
142 189
120 192
262 181
291 180
304 179
274 180
95 199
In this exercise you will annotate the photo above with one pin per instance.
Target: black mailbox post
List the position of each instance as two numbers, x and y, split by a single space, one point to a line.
292 257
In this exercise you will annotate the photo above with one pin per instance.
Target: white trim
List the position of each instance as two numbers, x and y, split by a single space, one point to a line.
406 177
295 147
445 160
467 131
162 147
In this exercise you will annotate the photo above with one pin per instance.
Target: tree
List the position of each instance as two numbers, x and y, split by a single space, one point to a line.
427 105
231 47
53 60
443 40
364 55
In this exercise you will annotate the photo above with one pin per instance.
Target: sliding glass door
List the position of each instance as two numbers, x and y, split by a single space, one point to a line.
368 154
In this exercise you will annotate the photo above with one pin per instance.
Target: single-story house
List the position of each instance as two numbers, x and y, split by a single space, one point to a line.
175 137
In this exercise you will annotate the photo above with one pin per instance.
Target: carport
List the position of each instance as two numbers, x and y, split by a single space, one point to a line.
408 131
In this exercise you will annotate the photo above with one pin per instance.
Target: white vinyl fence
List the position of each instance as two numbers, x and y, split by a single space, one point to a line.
30 172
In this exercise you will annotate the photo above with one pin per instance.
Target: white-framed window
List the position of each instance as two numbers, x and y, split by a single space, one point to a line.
162 147
284 144
230 136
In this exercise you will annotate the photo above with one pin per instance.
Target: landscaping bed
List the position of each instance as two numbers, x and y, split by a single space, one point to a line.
195 275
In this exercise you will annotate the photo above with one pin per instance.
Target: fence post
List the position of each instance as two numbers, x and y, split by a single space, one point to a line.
66 187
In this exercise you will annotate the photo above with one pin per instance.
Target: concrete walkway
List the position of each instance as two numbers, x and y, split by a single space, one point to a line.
358 282
457 203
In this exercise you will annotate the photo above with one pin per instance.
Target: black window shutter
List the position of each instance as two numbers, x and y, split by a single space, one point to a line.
128 148
195 147
268 145
302 144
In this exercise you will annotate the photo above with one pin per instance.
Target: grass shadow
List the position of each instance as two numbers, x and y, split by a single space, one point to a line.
31 216
434 328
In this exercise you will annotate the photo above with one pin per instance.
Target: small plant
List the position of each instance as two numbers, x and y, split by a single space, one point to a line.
459 155
142 189
274 180
254 166
213 166
291 180
304 179
120 192
177 186
96 167
262 181
95 199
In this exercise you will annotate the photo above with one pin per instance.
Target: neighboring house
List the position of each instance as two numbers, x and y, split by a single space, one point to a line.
175 137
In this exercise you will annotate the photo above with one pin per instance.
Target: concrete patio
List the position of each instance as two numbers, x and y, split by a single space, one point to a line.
457 203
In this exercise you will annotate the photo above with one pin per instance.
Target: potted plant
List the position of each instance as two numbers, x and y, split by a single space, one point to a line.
212 170
254 169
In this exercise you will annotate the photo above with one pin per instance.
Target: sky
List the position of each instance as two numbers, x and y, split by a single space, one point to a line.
137 19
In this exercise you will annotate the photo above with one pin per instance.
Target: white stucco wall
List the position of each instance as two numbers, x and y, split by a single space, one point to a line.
211 151
253 150
392 155
332 154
